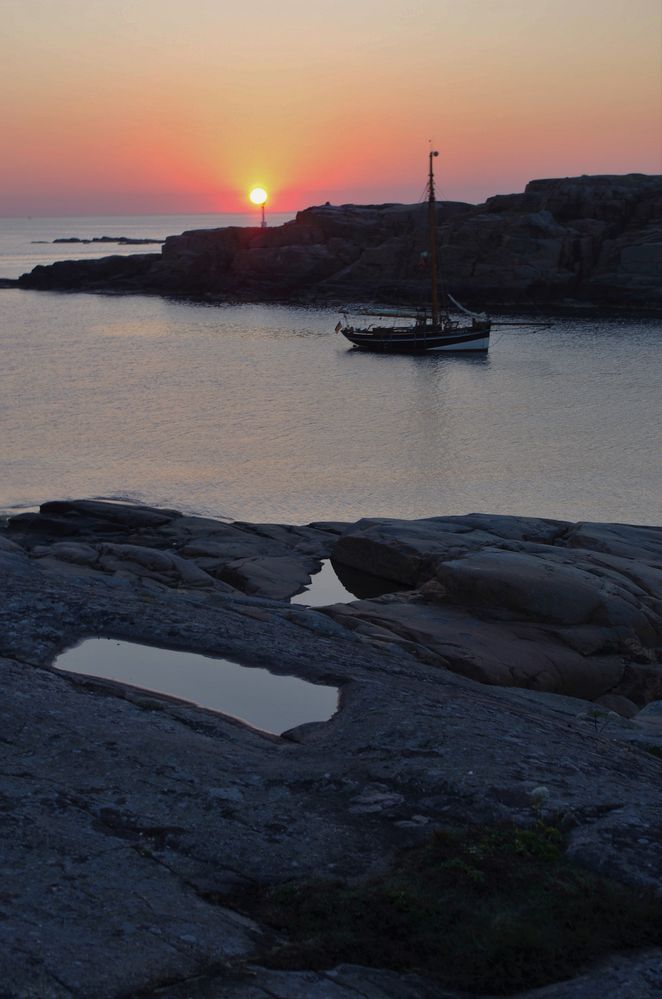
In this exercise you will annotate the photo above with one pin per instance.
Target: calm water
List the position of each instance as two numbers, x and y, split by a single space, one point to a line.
22 246
325 588
262 413
256 696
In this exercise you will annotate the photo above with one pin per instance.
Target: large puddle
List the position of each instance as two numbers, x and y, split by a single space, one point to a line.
338 584
255 696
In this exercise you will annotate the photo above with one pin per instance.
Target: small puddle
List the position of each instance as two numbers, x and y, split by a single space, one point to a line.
261 699
338 584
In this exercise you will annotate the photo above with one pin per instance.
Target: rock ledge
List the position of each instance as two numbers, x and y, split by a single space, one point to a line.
126 814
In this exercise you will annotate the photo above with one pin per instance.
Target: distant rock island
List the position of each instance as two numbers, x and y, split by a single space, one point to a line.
587 242
123 240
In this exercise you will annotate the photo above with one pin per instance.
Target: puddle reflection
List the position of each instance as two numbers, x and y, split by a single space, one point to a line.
338 584
255 696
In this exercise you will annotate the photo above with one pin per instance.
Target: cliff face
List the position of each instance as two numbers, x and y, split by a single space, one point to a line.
588 240
593 239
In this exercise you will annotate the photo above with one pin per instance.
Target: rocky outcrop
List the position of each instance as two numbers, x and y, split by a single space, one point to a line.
129 818
511 601
118 273
590 239
121 240
163 548
569 608
582 241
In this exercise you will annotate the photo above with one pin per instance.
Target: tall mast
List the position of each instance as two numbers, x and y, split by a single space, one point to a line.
432 235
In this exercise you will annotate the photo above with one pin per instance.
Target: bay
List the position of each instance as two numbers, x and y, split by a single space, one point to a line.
260 412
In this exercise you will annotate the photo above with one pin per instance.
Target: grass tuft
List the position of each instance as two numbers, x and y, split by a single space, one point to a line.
481 909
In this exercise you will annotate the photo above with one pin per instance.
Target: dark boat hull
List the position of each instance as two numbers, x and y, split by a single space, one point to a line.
418 340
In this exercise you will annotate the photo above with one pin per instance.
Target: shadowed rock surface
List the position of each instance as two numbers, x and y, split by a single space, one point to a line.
516 601
126 815
578 241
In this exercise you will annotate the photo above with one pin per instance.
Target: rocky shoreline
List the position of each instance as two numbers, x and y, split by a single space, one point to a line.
580 243
516 675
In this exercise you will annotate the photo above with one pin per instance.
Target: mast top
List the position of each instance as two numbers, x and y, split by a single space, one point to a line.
433 153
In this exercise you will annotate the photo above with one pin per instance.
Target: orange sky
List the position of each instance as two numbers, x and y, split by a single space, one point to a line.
163 105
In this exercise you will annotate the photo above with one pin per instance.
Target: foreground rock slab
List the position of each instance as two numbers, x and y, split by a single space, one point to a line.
127 815
567 608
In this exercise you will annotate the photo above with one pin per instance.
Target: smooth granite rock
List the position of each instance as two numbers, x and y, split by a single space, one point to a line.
128 815
518 601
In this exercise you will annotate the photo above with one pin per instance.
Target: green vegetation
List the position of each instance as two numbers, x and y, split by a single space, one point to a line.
484 909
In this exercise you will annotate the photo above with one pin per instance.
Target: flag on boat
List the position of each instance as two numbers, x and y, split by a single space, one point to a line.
338 327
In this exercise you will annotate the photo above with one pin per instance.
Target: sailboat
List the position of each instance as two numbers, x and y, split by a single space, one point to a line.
433 328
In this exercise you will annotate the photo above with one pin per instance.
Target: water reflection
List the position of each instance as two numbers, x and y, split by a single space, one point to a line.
255 696
430 357
283 423
339 584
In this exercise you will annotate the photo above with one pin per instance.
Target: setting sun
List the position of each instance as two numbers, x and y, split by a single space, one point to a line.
258 195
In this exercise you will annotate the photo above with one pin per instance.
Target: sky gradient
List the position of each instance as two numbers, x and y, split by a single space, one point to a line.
164 106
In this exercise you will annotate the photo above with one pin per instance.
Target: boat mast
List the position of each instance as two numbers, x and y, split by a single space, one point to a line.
432 235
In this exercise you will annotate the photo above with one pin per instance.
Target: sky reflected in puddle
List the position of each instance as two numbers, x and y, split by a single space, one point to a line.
263 700
325 588
338 584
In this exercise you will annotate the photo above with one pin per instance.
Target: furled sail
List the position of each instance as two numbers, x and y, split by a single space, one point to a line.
467 312
388 313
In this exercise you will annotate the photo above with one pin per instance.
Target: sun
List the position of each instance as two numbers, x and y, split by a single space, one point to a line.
258 195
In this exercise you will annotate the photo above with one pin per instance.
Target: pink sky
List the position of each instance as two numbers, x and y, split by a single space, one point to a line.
158 105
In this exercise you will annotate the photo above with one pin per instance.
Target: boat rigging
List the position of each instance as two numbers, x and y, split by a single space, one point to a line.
433 329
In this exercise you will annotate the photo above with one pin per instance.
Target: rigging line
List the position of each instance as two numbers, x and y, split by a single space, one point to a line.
528 325
441 193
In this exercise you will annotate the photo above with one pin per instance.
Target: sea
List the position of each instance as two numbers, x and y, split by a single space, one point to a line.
263 413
